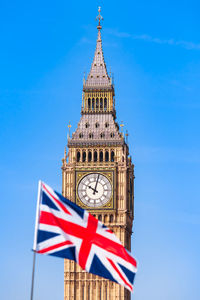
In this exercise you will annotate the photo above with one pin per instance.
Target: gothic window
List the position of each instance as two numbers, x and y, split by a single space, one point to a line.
84 156
102 135
112 155
106 124
101 156
93 103
105 218
97 104
95 156
96 124
88 291
100 217
78 156
112 135
107 156
91 135
111 218
87 125
105 104
81 135
101 104
89 103
89 156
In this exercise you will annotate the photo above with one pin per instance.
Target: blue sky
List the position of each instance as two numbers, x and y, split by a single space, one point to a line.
153 49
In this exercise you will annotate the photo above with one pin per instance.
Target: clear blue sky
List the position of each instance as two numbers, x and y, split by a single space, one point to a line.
153 49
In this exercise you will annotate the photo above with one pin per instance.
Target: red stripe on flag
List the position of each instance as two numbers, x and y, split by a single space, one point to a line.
120 275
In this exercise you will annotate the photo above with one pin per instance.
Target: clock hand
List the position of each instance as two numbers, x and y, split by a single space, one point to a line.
92 189
96 185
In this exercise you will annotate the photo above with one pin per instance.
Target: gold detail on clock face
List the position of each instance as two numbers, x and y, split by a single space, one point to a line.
94 190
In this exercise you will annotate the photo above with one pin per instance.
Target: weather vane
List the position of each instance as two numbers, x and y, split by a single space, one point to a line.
99 18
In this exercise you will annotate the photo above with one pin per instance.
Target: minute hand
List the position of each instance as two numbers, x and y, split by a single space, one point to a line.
96 185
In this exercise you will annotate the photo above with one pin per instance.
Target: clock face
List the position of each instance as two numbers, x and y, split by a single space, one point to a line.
94 190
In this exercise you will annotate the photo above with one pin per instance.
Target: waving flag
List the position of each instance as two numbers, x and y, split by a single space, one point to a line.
66 230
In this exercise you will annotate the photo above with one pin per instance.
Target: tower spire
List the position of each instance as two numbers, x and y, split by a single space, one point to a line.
98 76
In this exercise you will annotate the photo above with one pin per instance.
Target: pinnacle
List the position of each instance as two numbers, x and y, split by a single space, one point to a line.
98 76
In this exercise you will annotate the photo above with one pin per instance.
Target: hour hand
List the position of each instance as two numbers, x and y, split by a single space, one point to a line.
94 190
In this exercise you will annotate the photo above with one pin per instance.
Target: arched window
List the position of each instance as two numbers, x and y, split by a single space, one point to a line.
96 124
102 135
112 155
97 104
78 156
111 218
81 135
88 292
106 124
105 218
93 101
101 156
95 156
101 104
105 104
91 135
112 135
100 217
87 125
89 103
89 156
107 156
84 156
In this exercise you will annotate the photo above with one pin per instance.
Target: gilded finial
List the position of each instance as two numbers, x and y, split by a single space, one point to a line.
69 126
99 18
122 125
127 136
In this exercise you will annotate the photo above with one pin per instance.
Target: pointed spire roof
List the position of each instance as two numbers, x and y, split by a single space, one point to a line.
98 76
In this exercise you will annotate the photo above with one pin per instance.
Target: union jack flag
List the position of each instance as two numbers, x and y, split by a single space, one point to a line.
66 230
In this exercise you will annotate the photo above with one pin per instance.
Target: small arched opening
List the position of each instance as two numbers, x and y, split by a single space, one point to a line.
93 103
89 156
112 156
101 103
84 156
89 103
78 156
105 104
107 156
101 156
97 104
95 156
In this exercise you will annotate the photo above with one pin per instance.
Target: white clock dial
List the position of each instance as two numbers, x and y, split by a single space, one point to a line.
94 190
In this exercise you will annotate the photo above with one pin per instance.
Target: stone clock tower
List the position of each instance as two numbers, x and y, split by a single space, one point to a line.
98 175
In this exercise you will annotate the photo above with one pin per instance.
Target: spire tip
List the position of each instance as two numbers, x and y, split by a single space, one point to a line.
99 18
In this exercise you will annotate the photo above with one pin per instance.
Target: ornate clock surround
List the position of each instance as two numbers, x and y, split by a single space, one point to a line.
110 175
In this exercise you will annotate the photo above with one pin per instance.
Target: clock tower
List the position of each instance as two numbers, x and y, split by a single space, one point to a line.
98 175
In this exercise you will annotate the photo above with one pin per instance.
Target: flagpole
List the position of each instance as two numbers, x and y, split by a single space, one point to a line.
35 236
